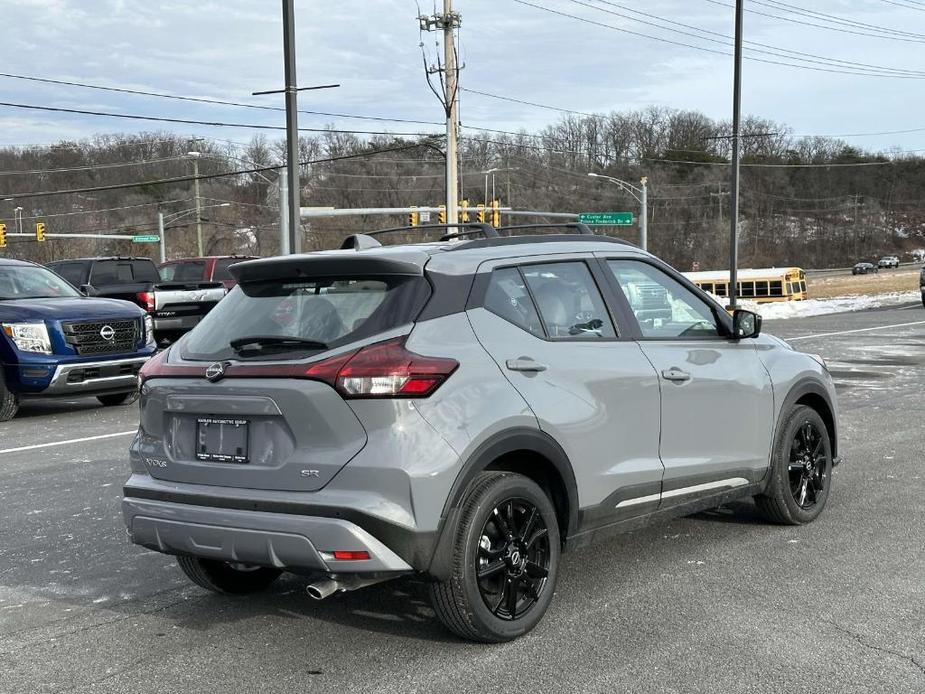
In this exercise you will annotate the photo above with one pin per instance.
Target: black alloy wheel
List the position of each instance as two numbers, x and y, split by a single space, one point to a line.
809 466
512 562
800 478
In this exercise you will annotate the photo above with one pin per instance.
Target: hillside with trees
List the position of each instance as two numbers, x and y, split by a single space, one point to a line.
808 201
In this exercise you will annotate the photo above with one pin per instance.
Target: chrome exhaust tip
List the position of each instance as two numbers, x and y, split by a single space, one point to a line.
319 590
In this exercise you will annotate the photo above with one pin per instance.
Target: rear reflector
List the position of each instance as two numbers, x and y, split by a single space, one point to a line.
381 370
343 555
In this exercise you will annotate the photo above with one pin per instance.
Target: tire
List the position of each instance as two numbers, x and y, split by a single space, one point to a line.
222 577
115 400
801 470
508 530
9 402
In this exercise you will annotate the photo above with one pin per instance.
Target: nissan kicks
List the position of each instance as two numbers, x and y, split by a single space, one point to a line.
465 410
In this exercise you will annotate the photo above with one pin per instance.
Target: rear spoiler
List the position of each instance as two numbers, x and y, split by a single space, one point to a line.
333 264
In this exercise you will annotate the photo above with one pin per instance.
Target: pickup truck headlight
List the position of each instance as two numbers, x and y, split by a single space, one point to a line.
29 337
149 332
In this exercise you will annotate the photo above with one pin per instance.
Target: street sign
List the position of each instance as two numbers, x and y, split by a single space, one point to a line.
425 217
620 219
146 239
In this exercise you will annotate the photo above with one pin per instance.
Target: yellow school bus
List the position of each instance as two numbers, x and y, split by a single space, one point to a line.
762 285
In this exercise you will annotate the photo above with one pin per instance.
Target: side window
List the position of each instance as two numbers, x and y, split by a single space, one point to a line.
663 306
569 302
72 272
507 297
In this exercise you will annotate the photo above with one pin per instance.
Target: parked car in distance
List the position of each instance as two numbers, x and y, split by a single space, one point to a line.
213 268
888 261
542 403
175 306
864 268
55 342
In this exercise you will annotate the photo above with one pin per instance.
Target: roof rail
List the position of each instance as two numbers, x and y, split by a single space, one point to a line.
487 229
577 226
539 238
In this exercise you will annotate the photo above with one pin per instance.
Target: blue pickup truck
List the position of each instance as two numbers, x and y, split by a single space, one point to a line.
56 342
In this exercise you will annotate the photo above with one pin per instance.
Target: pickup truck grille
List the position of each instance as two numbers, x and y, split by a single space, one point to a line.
91 337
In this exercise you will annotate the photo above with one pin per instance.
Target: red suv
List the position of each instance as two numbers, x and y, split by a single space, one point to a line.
212 268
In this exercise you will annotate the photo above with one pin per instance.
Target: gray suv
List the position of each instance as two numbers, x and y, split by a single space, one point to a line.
464 410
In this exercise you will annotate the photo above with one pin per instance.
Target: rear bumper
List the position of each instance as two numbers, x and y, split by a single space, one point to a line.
284 541
87 378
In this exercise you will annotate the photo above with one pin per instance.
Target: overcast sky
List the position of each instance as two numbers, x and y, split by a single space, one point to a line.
227 49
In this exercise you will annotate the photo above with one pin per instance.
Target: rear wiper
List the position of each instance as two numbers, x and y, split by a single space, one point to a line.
260 341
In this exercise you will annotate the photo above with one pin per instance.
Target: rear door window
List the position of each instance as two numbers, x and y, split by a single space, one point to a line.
72 272
187 271
508 298
569 302
327 312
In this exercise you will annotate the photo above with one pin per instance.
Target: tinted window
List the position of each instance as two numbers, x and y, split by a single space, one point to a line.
663 306
191 271
329 311
507 297
123 272
569 303
72 272
221 268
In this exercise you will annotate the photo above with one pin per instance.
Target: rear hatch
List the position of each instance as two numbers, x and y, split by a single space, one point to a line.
250 399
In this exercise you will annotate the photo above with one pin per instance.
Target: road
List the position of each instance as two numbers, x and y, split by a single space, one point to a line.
718 602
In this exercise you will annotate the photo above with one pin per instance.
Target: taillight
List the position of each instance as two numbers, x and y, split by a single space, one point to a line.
147 301
384 370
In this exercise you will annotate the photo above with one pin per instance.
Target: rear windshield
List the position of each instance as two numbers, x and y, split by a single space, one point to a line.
123 272
191 271
221 268
328 312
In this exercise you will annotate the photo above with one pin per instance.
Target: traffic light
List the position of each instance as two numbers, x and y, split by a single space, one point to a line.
441 215
496 213
414 218
480 215
463 210
40 231
2 235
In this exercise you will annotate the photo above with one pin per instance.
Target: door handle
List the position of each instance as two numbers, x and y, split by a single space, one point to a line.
525 364
676 375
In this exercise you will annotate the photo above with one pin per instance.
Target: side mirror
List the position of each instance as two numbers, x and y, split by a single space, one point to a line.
88 290
745 324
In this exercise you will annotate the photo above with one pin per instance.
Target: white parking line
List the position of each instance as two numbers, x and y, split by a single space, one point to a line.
65 443
859 330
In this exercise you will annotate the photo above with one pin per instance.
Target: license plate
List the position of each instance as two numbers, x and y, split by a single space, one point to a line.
220 440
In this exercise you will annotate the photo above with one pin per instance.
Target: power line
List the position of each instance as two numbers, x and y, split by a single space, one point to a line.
108 209
216 102
776 5
817 26
203 177
528 103
711 50
218 124
90 167
773 50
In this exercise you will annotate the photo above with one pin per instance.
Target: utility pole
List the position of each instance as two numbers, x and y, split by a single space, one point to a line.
195 157
719 195
643 214
294 204
734 189
448 22
283 212
160 232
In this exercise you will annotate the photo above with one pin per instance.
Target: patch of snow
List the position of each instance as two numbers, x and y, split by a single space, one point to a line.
817 307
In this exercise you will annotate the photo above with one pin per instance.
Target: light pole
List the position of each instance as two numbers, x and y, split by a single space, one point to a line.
161 219
17 214
641 194
195 158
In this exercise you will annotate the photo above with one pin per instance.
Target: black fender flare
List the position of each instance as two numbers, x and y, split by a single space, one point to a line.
518 439
802 388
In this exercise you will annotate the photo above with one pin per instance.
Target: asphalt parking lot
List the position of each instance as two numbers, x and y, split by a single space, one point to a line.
718 602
